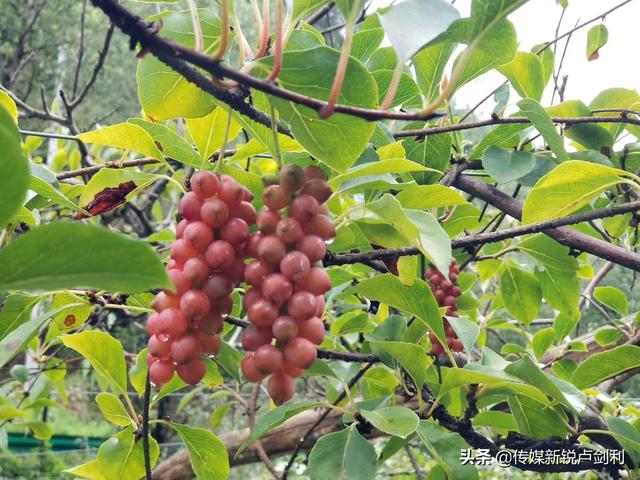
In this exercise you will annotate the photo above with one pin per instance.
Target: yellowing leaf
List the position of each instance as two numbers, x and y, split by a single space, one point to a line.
124 135
208 132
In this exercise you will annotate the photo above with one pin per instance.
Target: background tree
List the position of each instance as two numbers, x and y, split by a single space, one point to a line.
477 286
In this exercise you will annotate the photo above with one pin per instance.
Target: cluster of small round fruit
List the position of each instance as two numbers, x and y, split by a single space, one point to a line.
446 293
207 262
286 299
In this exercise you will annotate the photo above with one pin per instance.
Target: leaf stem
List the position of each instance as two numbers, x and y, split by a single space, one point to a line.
278 46
393 87
224 30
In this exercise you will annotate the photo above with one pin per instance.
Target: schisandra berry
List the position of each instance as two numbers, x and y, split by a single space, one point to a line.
446 293
207 262
286 300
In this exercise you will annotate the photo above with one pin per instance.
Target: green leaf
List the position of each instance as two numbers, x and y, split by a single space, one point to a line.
9 105
39 430
122 457
561 290
536 419
112 409
602 366
43 259
16 311
553 255
302 8
173 145
207 453
627 434
365 42
415 299
467 331
507 165
445 448
597 37
19 338
425 197
89 470
208 132
617 98
275 418
165 94
612 297
105 354
418 227
398 421
344 455
138 372
393 165
14 172
407 93
528 371
607 336
521 293
501 136
339 140
542 121
457 377
124 135
50 192
412 24
429 66
526 74
112 178
413 358
567 188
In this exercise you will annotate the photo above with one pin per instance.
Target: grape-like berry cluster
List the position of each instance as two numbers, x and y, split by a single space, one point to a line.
286 299
207 262
446 293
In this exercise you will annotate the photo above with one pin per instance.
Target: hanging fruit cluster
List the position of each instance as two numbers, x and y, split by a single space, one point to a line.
286 299
446 293
207 262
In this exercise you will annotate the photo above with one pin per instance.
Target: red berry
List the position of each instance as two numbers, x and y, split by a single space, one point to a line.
182 250
209 344
235 231
254 337
317 281
313 172
164 300
246 212
159 348
231 192
268 359
304 208
312 330
220 255
262 313
249 369
194 304
320 225
295 265
199 234
218 287
271 250
291 178
214 212
186 348
205 184
276 288
161 372
180 281
192 372
275 197
302 305
172 322
284 329
280 388
255 273
289 230
313 247
300 352
267 220
196 269
189 206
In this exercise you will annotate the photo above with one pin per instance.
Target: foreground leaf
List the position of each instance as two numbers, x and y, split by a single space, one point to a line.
344 455
14 172
74 255
207 453
122 457
105 354
398 421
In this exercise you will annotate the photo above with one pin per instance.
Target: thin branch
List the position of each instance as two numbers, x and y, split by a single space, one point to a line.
567 121
102 54
169 52
145 427
252 407
566 236
583 24
339 398
488 237
76 74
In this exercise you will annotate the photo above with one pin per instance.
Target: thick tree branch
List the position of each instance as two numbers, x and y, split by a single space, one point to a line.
169 52
564 235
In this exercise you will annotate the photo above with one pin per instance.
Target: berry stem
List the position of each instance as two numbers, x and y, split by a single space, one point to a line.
197 29
224 30
278 46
